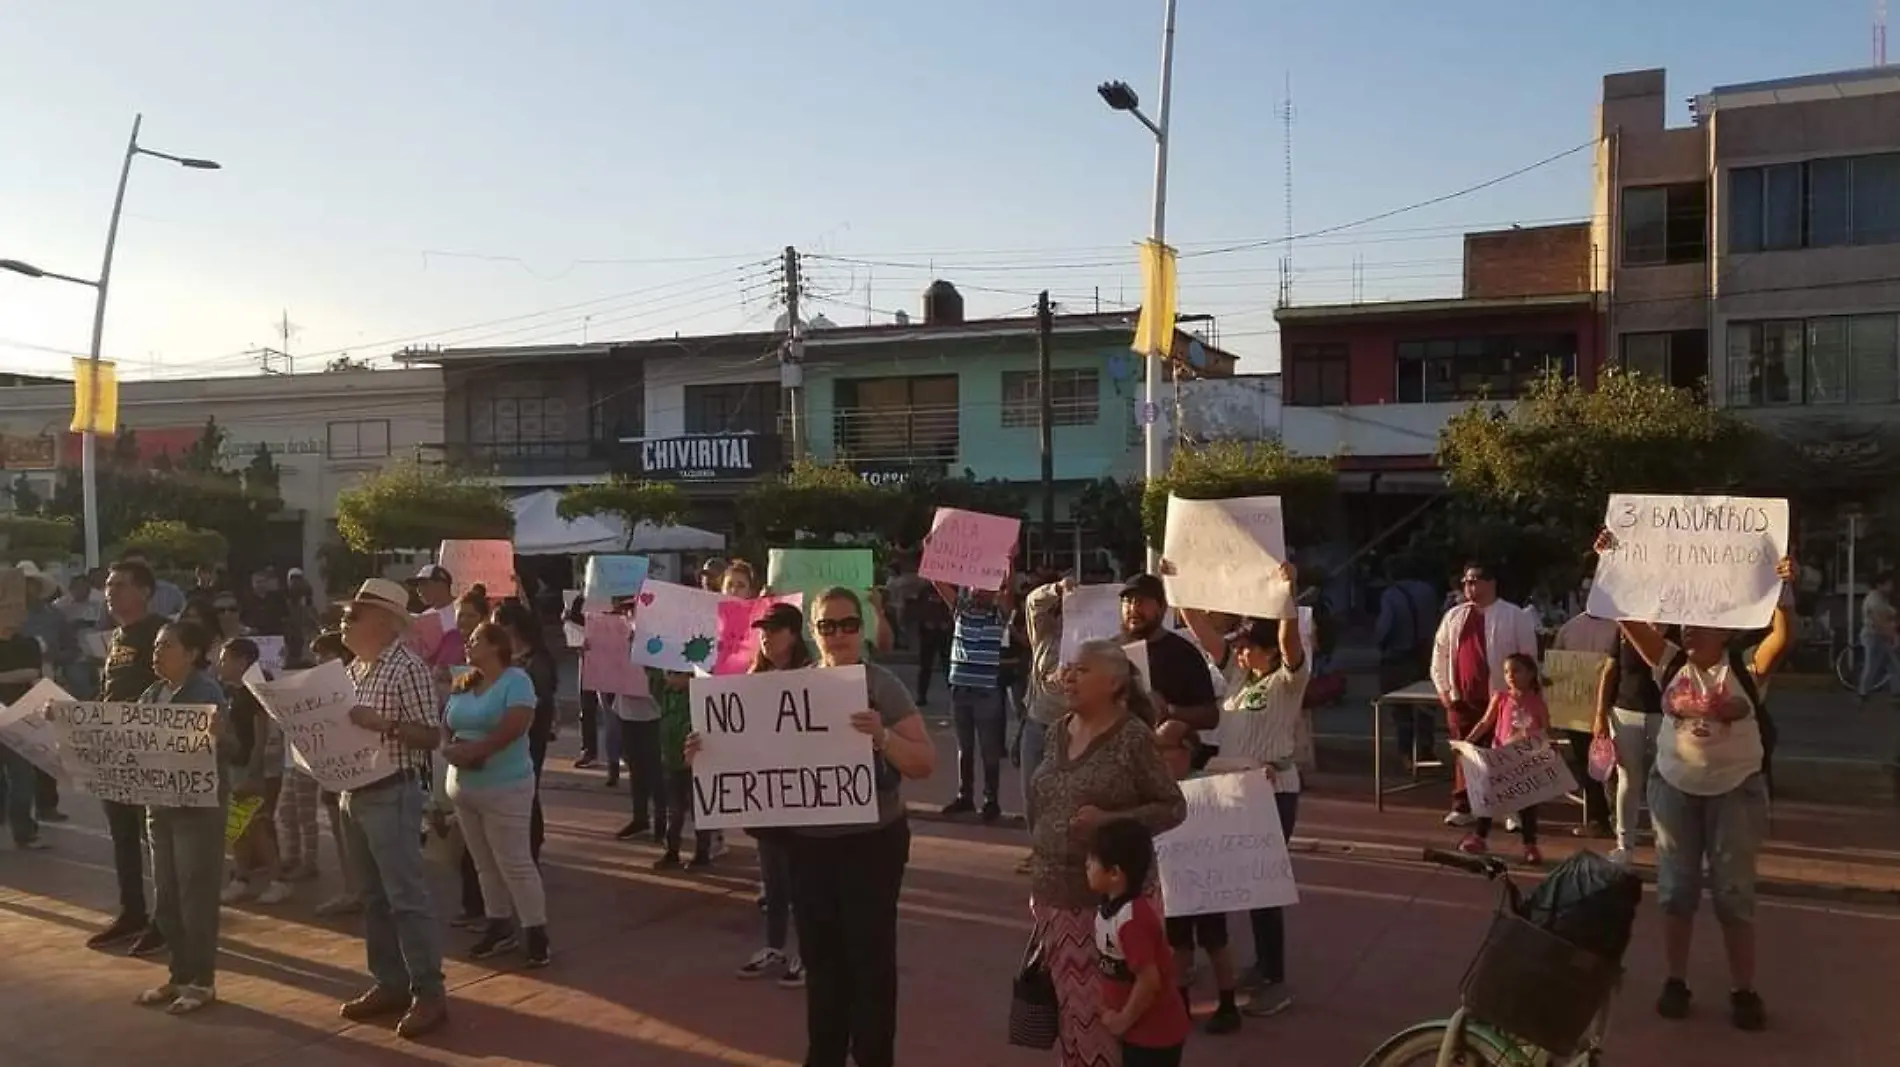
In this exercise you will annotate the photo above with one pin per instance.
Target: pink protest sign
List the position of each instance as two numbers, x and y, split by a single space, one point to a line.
425 635
737 640
605 664
969 549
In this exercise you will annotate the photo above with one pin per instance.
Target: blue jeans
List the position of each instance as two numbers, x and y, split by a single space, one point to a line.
981 719
1033 742
610 750
1879 663
22 784
384 827
187 875
1713 841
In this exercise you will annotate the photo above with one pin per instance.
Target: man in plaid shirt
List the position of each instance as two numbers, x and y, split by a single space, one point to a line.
396 698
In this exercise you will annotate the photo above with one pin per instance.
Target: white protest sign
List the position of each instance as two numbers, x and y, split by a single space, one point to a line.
1230 854
778 749
969 549
1137 653
1570 688
270 651
1512 777
1691 560
490 564
1090 613
24 729
156 755
1225 555
313 709
676 627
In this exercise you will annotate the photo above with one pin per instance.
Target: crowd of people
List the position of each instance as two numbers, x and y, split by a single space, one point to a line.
1103 744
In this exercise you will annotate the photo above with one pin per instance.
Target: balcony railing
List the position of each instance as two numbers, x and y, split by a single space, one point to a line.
920 435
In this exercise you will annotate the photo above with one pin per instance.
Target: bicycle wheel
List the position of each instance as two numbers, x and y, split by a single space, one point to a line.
1418 1047
1847 667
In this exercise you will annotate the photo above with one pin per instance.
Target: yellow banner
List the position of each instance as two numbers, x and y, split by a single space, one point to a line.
1154 333
95 397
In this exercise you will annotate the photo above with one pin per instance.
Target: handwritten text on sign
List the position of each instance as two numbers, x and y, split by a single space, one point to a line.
609 578
778 749
676 627
1691 560
969 549
1516 776
313 709
160 755
1090 613
1570 688
1230 854
24 729
813 570
1225 555
490 564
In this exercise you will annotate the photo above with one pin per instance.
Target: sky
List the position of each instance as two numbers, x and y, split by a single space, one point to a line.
485 172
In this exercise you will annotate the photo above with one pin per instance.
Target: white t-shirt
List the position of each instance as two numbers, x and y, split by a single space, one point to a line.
1260 725
1704 756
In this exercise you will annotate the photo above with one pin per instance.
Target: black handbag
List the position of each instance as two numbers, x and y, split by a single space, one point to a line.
1033 1013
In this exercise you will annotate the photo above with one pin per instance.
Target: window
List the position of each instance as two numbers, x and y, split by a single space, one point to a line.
1647 354
618 408
897 420
1680 358
738 407
1843 359
519 418
1665 224
1823 203
362 439
1500 367
1075 397
1318 374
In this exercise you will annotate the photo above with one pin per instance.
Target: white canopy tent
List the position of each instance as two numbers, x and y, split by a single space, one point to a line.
540 531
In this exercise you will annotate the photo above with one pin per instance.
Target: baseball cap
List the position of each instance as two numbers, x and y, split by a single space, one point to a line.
1261 633
433 572
1145 587
780 617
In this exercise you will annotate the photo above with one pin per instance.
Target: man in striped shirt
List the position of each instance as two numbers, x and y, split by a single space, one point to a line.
979 701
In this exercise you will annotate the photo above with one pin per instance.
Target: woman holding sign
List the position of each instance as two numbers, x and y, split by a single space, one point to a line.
846 879
1707 794
188 843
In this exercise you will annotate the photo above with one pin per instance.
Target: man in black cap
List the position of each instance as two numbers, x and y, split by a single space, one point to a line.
1178 674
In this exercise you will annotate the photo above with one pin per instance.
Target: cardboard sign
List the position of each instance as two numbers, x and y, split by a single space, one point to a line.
969 549
607 665
313 709
1225 555
612 577
1692 560
737 639
1137 653
778 749
489 564
1230 854
157 755
1570 688
676 627
24 729
813 570
424 635
1090 613
270 651
1509 779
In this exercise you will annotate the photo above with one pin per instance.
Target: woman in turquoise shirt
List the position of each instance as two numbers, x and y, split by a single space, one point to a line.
491 782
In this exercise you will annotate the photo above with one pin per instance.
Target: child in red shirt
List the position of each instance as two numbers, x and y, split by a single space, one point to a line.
1138 974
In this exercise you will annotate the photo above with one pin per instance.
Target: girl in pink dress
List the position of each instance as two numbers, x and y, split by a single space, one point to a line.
1517 713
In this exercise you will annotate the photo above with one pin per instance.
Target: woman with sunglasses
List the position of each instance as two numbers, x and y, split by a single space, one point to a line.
781 648
846 879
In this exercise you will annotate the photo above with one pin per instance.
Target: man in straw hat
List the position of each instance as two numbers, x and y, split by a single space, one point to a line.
382 821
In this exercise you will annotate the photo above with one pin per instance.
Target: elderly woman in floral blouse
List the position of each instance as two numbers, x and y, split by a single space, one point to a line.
1101 764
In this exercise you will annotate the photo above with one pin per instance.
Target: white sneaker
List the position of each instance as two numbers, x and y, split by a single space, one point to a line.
236 891
1459 818
763 962
718 844
1510 824
276 893
794 976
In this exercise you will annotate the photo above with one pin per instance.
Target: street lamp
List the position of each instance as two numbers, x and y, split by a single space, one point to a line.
1120 97
89 437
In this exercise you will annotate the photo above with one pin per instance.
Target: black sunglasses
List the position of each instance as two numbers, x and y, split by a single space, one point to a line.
849 625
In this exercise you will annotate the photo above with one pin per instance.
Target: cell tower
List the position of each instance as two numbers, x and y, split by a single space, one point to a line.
1880 33
1286 138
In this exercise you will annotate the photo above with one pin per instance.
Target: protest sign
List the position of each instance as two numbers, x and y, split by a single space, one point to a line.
24 729
313 709
1225 555
607 665
676 627
778 749
1570 688
424 635
1090 613
574 632
1691 560
237 819
157 755
813 570
609 578
1137 653
969 549
270 651
1230 854
489 564
1513 777
737 640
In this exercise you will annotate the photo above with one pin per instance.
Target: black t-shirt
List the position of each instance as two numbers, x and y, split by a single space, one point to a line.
128 673
1178 671
1635 682
19 653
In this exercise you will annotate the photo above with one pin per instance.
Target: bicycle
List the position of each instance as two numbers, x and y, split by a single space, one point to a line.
1464 1040
1847 667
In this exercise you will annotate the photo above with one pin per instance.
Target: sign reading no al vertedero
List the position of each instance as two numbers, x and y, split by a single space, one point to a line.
778 749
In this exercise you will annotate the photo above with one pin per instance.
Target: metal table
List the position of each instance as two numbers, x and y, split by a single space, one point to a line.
1415 697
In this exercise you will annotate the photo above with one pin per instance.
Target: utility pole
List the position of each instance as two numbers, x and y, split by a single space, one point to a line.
1045 401
791 374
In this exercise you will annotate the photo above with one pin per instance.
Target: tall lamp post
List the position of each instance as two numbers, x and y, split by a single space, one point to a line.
1122 98
89 437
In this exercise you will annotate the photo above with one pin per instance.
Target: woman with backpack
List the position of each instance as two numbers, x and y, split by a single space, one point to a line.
1708 792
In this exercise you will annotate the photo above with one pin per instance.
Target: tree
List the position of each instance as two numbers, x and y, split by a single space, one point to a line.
628 501
916 502
1112 511
193 488
813 503
408 506
24 537
1306 485
26 500
345 363
172 545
